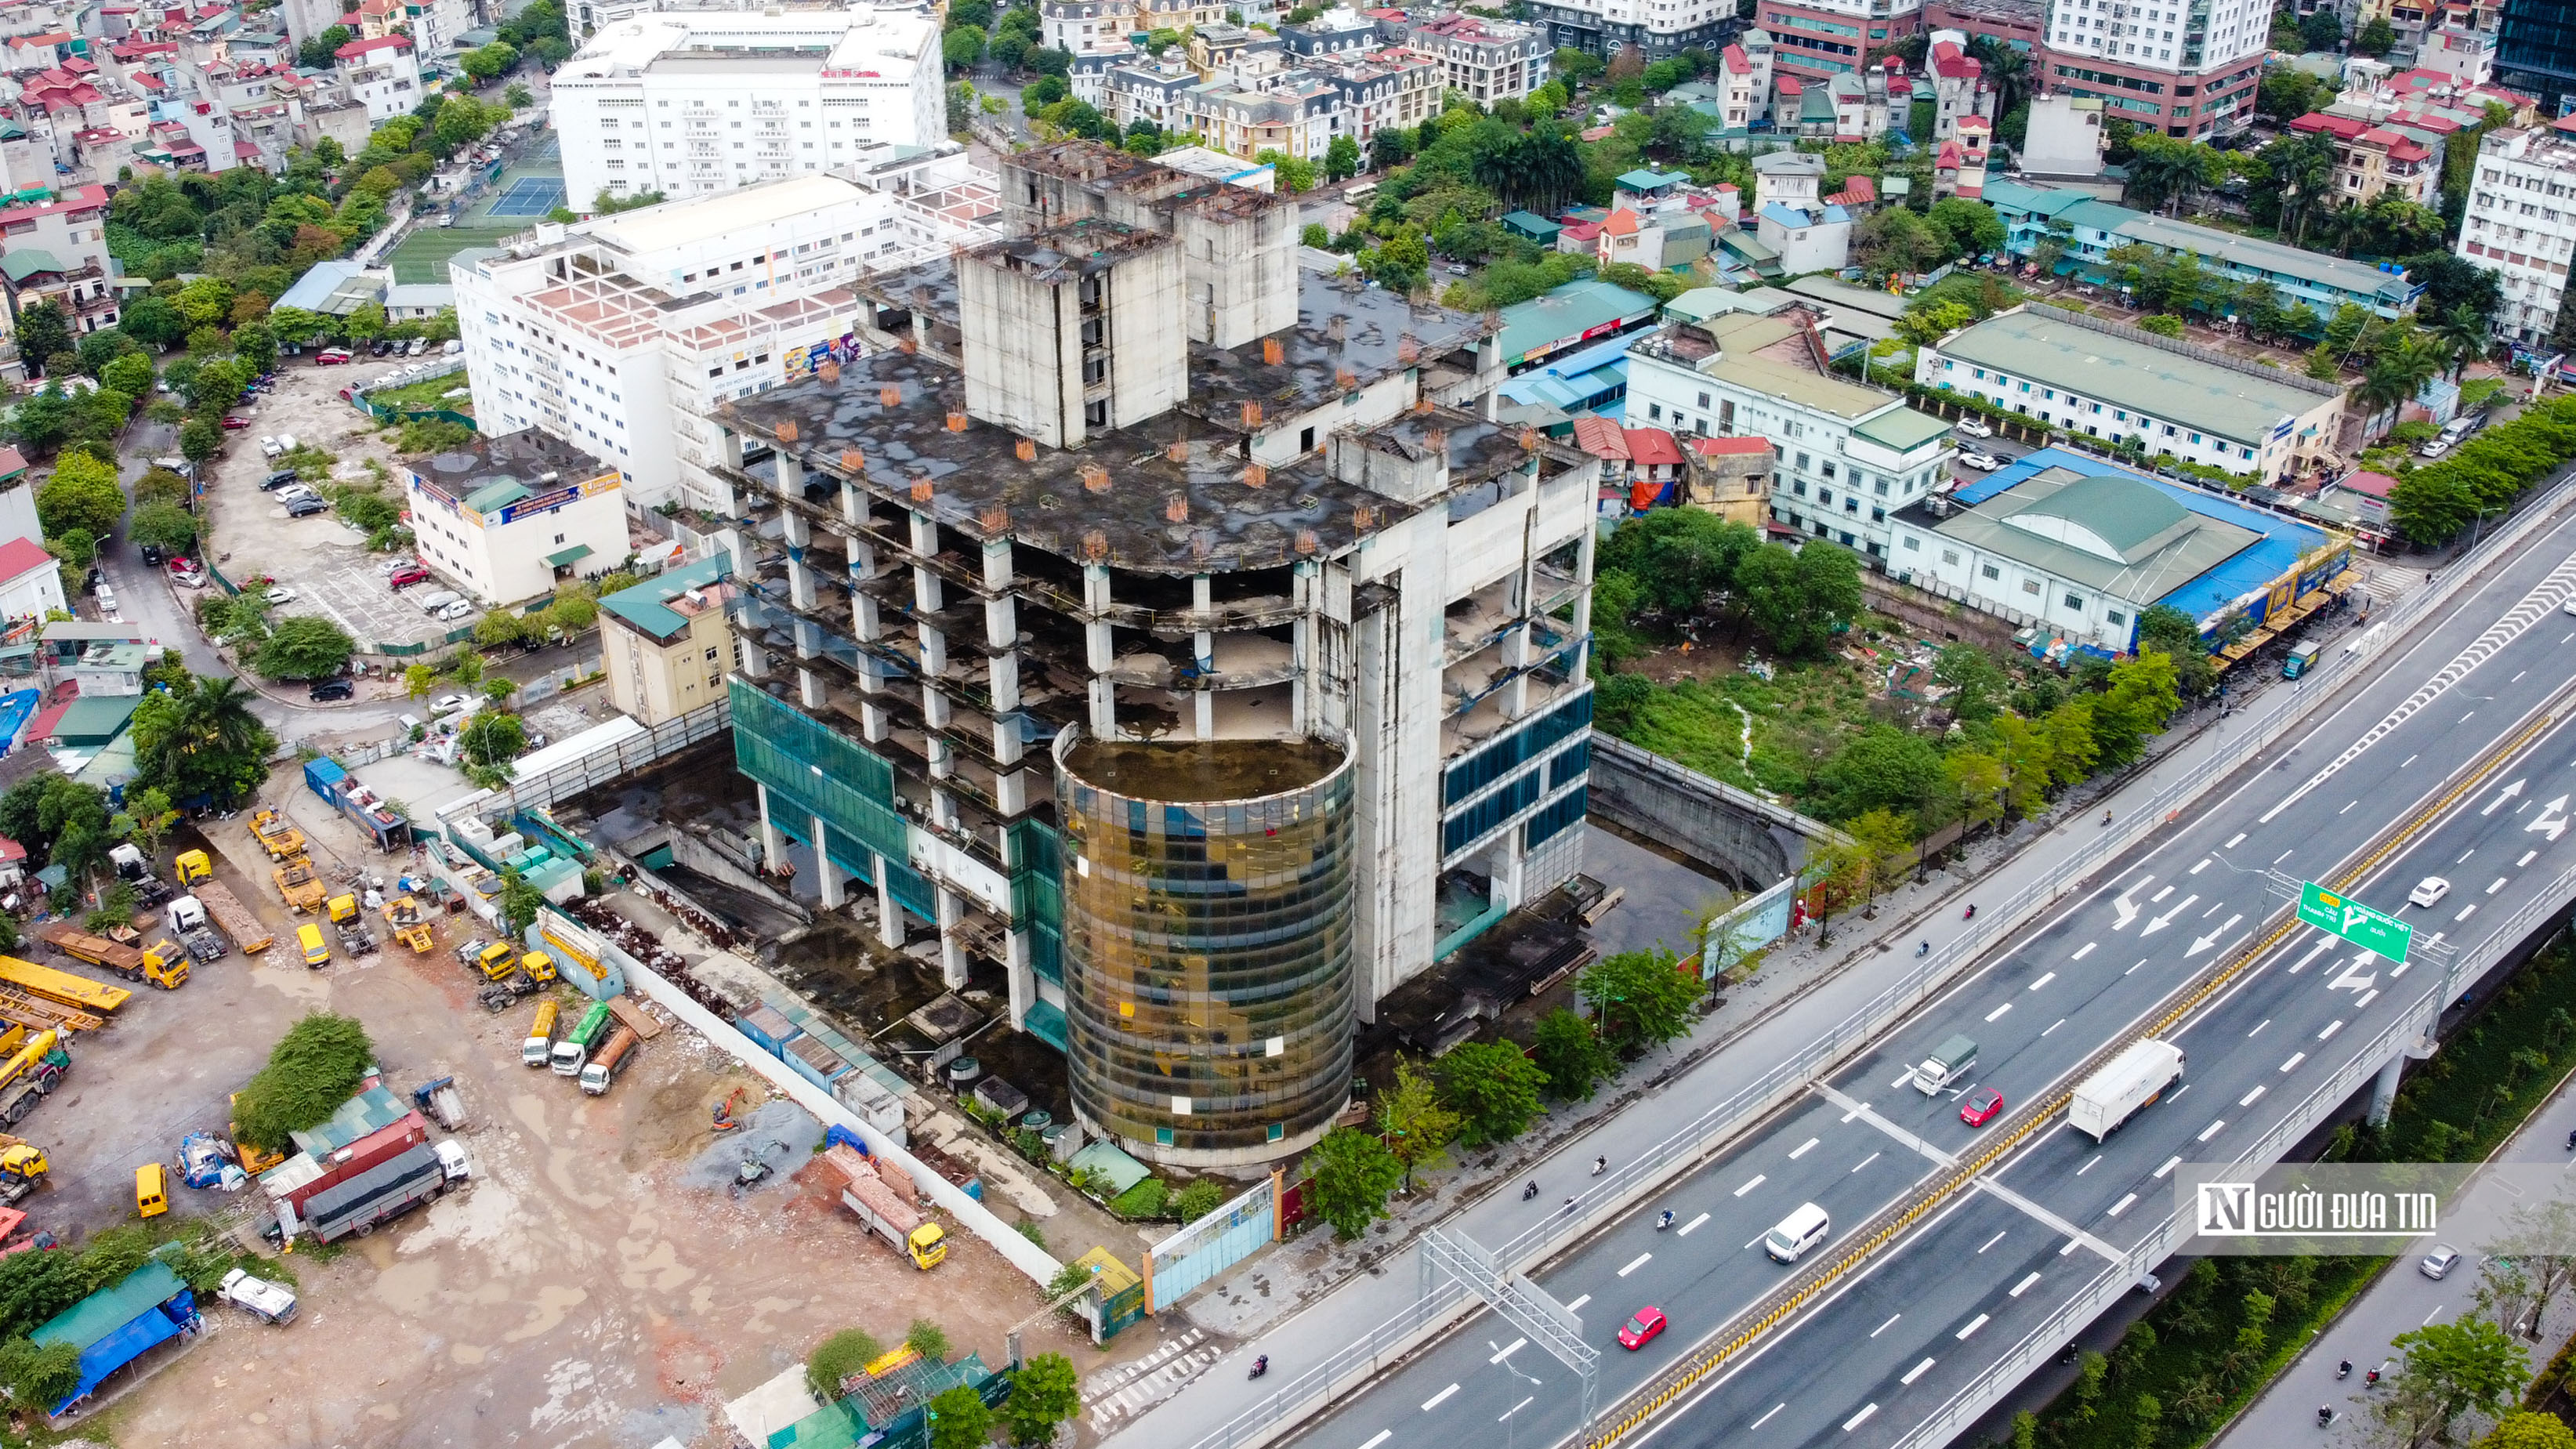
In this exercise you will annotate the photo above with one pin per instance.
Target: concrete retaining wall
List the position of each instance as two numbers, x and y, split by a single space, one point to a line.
1939 619
1733 832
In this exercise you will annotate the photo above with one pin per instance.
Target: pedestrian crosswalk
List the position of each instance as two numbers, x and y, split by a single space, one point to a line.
1117 1393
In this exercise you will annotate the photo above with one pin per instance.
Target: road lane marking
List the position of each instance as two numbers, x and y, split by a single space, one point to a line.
2024 1285
1695 1222
2212 1130
2233 843
2170 1164
2365 998
2465 911
1998 1011
2054 1025
2410 759
2048 1219
2248 1099
2499 885
2204 865
2051 976
2464 856
1862 1109
1990 1242
2159 897
2314 952
1578 1303
2292 1064
2087 951
1973 1325
2284 855
1915 1372
1908 1076
1516 1408
2436 1313
1380 1437
1436 1400
1507 1350
1759 1178
2089 1164
2526 859
2141 962
2331 1028
1856 1420
2121 1206
1765 1419
1884 1327
1636 1263
1804 1148
2213 910
1864 1162
2258 1030
2397 970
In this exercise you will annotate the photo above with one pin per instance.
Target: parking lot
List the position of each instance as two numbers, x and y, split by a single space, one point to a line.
588 1284
321 558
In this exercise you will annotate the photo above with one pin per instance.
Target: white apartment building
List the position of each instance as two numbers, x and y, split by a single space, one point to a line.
2521 224
1487 60
619 335
1658 27
1849 455
690 103
2186 67
507 517
382 75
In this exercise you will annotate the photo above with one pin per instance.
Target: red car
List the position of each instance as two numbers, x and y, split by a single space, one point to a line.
1638 1331
405 578
330 357
1981 1106
234 424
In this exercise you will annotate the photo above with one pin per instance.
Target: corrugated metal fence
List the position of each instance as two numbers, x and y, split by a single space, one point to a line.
616 761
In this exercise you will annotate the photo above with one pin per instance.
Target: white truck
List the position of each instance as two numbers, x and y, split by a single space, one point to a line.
2133 1080
188 917
1948 1063
273 1302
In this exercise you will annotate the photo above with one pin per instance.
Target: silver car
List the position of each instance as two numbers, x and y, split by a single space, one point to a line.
2437 1264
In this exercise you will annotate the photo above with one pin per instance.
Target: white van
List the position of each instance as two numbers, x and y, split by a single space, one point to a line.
1797 1233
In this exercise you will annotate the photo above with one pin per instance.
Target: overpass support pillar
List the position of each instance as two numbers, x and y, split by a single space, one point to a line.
2383 1090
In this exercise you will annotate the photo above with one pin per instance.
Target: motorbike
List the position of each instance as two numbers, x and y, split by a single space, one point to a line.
1260 1366
2344 1369
1664 1222
1923 948
1969 914
1530 1191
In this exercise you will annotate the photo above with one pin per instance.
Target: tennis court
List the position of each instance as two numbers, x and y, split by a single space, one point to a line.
529 196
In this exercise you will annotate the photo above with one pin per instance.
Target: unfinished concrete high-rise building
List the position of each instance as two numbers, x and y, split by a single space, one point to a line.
1173 631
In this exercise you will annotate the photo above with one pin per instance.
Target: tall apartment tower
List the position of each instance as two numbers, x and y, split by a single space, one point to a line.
1172 633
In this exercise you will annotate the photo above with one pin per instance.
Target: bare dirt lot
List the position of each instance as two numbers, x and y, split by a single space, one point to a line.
578 1291
323 559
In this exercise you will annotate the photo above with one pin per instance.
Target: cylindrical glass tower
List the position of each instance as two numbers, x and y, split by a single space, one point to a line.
1207 943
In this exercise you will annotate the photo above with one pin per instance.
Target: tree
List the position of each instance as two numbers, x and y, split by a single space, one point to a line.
519 903
1973 226
1977 684
519 97
255 346
1894 239
2531 1265
486 63
1570 1054
44 329
1978 781
1341 158
2525 1430
1348 1176
1044 1394
927 1339
312 1071
2162 325
2321 29
2144 693
2449 1370
835 1359
1881 768
41 1377
1642 999
200 438
146 818
959 1420
199 738
419 680
962 47
492 738
82 494
1799 600
2173 633
165 526
129 373
216 386
2376 38
1416 1128
1296 174
1493 1090
319 48
306 646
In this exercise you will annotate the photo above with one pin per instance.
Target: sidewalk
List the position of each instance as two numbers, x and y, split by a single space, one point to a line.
1801 991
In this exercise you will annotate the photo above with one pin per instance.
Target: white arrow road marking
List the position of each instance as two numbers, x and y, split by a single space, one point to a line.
2551 819
2352 978
2507 793
2160 922
2203 943
2127 908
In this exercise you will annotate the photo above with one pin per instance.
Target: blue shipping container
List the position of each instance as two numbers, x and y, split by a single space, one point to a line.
325 778
771 1031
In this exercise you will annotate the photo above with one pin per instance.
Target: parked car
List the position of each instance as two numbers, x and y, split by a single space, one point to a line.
1982 462
418 346
268 448
446 703
327 689
1973 426
306 508
234 424
453 612
279 598
330 357
405 578
276 480
269 1302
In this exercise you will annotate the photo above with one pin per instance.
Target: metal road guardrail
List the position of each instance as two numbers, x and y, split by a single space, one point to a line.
1988 1388
1889 1222
1624 1184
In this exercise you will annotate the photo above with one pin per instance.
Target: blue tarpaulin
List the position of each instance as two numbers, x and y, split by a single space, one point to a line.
115 1326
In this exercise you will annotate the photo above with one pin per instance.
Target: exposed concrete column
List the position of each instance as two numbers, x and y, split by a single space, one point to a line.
824 870
1095 587
1202 594
800 584
729 448
997 564
889 915
1023 979
854 510
1203 713
773 842
934 650
794 528
2383 1090
1001 623
925 590
809 688
1104 708
1002 676
791 474
1099 648
1011 791
952 954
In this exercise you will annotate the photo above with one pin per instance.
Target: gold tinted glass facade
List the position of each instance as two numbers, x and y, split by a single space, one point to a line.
1207 942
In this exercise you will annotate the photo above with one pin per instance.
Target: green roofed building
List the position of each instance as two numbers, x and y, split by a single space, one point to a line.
1575 313
115 1326
667 642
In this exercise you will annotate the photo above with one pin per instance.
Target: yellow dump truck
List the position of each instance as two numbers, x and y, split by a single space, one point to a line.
410 925
193 866
161 963
492 958
538 966
298 886
281 840
62 986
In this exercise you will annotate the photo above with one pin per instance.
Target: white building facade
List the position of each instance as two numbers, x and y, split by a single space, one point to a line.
2521 225
690 103
513 515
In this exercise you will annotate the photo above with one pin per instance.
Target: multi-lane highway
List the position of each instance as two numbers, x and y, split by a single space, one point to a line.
1895 1341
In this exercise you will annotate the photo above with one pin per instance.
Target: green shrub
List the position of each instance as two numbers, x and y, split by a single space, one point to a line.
1197 1200
836 1358
315 1068
1144 1200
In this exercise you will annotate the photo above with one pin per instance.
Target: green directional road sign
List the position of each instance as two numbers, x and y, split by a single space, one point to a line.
2331 911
